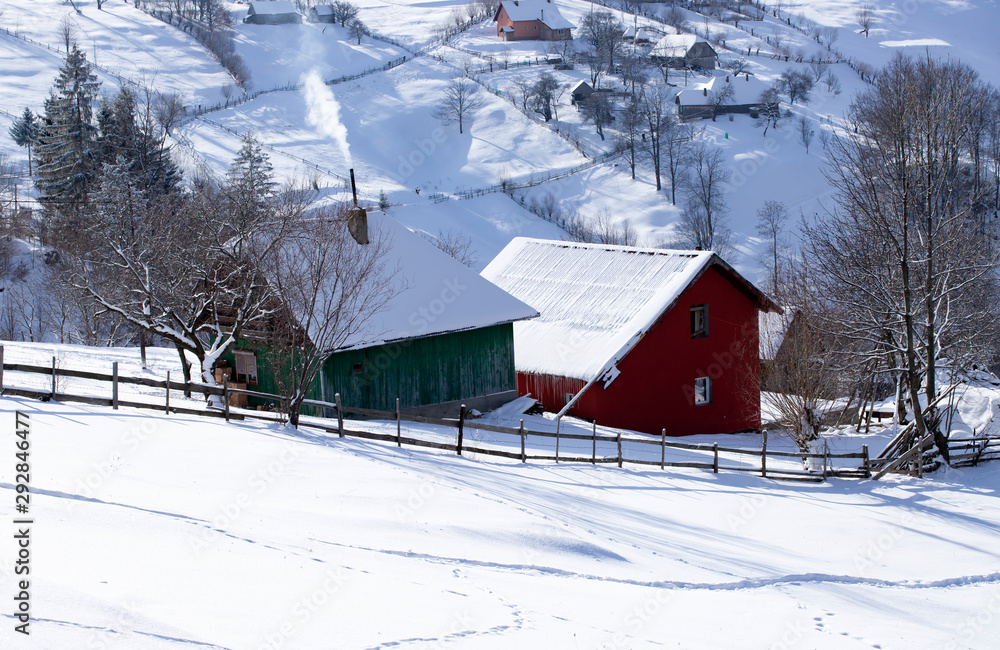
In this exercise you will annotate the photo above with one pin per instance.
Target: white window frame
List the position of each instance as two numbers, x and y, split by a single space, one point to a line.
246 367
703 331
703 395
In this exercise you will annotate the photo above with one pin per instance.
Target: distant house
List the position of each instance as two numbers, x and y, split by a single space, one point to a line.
275 12
537 20
321 14
684 51
445 340
644 339
580 93
632 35
720 95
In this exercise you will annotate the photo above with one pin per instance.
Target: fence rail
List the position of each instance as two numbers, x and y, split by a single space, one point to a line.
515 436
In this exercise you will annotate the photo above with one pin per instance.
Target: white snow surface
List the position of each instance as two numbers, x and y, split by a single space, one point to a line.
436 293
159 532
595 300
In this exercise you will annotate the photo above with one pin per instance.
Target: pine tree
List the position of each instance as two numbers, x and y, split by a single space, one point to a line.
24 131
129 132
251 185
66 148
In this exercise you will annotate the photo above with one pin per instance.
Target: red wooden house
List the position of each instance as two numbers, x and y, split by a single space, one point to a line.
643 339
537 20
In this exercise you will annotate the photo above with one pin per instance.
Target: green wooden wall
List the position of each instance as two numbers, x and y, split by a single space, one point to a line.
424 371
421 371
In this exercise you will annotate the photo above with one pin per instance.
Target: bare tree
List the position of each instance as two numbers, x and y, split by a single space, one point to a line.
545 94
768 109
603 33
702 224
597 109
330 287
771 219
344 12
657 110
796 84
907 265
456 244
168 110
631 125
865 17
461 98
357 30
806 132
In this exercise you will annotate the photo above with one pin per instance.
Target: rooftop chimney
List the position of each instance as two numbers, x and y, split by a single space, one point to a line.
357 218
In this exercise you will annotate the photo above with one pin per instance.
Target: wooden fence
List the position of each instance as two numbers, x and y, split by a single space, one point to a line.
513 438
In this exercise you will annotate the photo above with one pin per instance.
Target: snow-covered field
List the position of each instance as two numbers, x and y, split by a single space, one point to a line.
155 531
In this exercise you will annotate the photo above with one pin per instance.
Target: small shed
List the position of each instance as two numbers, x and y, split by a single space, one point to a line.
638 338
444 340
684 51
273 12
537 20
321 14
580 93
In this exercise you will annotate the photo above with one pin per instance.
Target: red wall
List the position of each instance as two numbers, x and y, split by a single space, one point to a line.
655 390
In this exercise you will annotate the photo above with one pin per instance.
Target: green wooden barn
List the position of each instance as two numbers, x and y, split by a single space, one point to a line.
446 339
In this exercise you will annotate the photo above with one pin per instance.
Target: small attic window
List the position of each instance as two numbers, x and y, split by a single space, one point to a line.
702 391
358 368
699 321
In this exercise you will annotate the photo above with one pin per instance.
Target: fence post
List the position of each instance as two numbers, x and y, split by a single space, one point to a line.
663 447
826 457
53 377
1 367
461 426
619 440
864 466
593 451
167 408
340 415
399 440
715 460
763 455
557 443
225 397
114 385
523 457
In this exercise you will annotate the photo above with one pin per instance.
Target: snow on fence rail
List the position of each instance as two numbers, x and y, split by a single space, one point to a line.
512 442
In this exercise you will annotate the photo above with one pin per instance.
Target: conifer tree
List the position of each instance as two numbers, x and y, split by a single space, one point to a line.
24 131
66 148
251 185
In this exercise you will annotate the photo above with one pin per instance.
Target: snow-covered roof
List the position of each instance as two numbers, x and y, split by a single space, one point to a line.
595 300
542 10
745 90
629 32
644 35
673 46
771 328
323 10
272 7
440 293
582 86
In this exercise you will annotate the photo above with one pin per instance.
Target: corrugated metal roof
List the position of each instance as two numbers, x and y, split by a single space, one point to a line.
595 300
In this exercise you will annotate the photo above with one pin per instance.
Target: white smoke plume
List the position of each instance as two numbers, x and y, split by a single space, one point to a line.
323 112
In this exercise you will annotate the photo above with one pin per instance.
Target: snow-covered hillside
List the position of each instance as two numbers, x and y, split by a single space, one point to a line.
382 123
